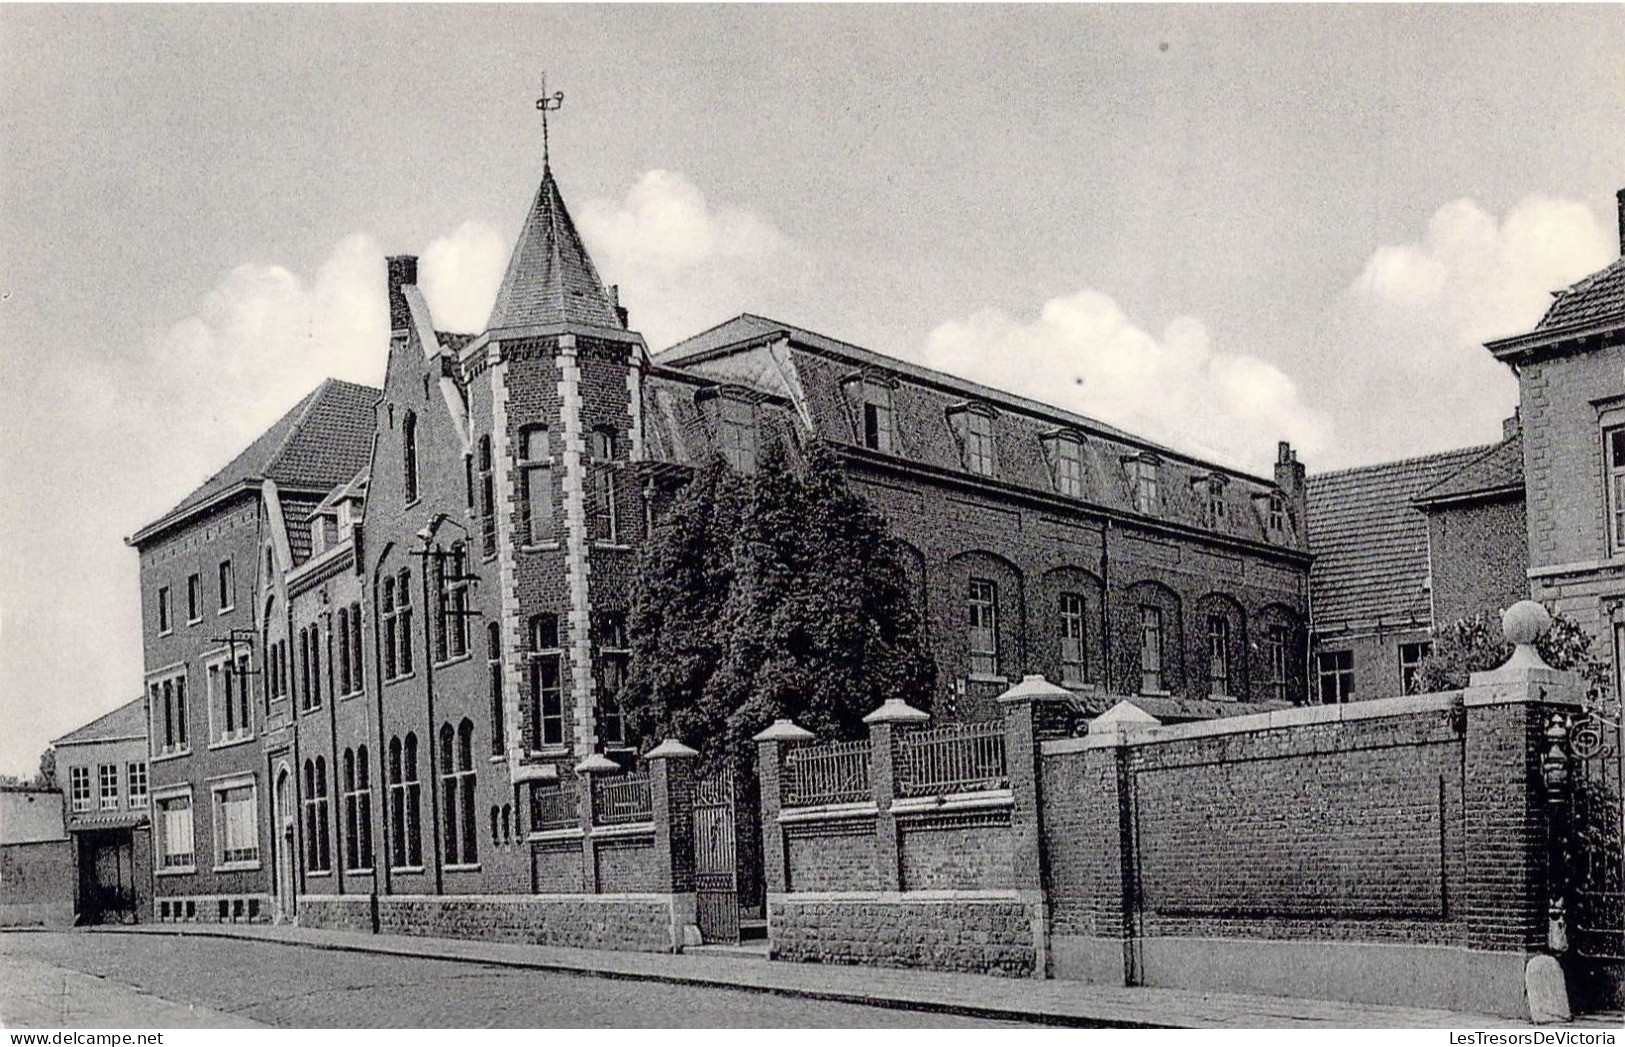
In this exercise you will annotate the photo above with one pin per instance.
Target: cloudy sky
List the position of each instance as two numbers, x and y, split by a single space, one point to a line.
1218 227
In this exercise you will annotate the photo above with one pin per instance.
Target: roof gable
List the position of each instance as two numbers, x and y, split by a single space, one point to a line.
1597 297
127 721
1497 471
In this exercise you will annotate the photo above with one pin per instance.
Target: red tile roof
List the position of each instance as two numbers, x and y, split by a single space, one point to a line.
1371 543
322 442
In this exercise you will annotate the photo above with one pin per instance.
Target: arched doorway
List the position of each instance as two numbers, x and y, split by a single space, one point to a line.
283 847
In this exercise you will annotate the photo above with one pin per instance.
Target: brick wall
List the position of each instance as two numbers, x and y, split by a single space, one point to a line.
983 936
36 883
582 921
1480 558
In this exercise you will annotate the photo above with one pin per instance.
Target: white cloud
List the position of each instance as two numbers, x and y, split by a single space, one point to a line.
460 274
685 263
1083 354
1406 368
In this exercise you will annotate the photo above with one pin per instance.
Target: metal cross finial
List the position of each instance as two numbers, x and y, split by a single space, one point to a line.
548 103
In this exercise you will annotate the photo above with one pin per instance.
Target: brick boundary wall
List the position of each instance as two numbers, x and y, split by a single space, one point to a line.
37 884
631 922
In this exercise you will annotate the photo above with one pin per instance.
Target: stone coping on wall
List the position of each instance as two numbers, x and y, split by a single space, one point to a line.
894 897
989 798
506 899
1301 716
605 832
828 812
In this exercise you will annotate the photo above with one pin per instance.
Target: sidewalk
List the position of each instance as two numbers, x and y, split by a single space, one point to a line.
1025 1000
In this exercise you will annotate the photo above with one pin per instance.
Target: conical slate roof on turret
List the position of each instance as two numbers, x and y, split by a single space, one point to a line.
550 279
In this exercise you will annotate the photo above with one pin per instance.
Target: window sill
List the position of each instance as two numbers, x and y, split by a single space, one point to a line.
541 547
232 742
138 806
368 871
195 621
314 873
108 807
83 810
244 866
1149 693
455 659
352 696
400 679
171 754
226 610
549 752
176 870
406 870
167 632
986 678
497 758
463 868
620 547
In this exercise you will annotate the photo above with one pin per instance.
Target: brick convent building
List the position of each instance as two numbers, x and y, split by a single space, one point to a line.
380 642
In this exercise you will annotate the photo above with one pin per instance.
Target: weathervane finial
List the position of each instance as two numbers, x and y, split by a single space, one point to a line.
548 103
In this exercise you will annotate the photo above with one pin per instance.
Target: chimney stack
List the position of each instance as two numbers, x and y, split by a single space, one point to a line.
403 270
1620 196
1289 477
615 300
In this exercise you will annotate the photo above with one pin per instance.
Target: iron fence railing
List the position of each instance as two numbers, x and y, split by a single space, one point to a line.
958 758
622 799
835 772
552 807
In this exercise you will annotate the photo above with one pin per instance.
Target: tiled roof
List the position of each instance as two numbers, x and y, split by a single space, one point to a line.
320 443
1598 296
127 721
1371 543
550 279
1497 470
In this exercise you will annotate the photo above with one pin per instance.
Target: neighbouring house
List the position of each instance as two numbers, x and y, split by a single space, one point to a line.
102 772
36 860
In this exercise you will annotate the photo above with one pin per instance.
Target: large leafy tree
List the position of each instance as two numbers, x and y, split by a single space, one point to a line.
775 595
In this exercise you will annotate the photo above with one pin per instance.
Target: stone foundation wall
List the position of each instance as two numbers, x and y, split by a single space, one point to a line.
637 923
980 935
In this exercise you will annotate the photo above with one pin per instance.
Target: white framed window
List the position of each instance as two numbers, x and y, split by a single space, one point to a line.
546 683
1411 656
973 428
1613 441
236 824
226 586
1144 480
536 485
357 790
107 786
458 828
173 837
318 836
614 659
1067 455
1215 508
1151 637
452 614
79 788
230 712
135 774
1334 671
1218 655
405 820
1074 657
982 607
171 734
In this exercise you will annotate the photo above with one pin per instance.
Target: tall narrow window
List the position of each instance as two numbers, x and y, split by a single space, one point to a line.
194 598
237 832
488 512
1614 442
386 607
602 521
1143 479
107 783
304 669
1275 651
614 656
546 682
79 788
363 806
463 811
1068 454
397 806
181 734
226 583
403 621
1215 502
1073 656
318 842
135 773
448 793
493 672
983 612
974 430
358 674
536 485
175 815
413 801
451 633
352 829
164 624
342 631
877 417
1151 681
1218 655
1277 512
736 433
409 456
1335 670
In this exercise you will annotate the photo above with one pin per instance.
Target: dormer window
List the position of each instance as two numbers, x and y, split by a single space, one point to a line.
1277 512
1211 488
1064 451
972 426
736 433
871 398
1143 475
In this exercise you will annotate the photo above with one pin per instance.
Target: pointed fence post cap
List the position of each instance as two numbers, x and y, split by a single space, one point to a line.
784 731
670 749
598 763
1034 688
895 710
1124 714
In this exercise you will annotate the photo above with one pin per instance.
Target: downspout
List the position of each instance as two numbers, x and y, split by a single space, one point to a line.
380 861
428 692
1105 608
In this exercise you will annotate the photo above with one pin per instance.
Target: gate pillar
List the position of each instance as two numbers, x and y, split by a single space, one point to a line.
671 796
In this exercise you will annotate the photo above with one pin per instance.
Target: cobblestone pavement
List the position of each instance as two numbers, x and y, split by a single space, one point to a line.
85 980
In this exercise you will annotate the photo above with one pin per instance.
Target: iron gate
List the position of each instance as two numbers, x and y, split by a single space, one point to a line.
1596 905
716 863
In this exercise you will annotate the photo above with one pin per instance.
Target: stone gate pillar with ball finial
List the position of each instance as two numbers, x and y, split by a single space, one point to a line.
1509 875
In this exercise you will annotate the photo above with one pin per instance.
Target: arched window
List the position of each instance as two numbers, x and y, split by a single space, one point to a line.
457 793
318 844
546 682
448 793
397 807
386 607
507 823
363 805
351 833
451 584
465 788
409 456
403 621
411 796
493 671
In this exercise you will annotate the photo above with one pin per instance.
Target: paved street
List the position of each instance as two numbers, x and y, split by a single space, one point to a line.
99 980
